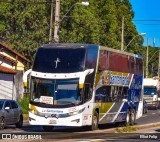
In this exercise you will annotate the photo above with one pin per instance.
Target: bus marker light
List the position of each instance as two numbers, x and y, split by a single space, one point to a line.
85 117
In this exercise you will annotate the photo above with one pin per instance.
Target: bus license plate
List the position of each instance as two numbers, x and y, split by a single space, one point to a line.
52 122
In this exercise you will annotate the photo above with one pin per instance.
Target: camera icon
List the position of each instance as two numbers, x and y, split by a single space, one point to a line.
6 136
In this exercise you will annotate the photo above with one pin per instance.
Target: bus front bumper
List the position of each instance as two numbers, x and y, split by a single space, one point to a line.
68 121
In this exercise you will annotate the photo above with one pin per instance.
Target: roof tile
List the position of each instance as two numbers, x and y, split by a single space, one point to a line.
7 70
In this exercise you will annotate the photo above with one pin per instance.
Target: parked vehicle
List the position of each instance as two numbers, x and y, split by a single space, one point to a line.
145 107
151 87
10 113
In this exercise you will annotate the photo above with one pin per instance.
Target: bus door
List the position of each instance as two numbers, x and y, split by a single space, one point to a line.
110 102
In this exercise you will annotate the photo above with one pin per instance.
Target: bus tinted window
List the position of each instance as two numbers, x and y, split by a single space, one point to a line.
62 60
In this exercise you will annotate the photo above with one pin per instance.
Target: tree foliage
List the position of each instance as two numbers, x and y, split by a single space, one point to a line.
25 24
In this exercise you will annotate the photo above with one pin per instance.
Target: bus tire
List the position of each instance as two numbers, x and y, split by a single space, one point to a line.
48 128
127 118
95 121
132 117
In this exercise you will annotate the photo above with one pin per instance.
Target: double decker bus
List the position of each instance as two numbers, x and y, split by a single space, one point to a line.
84 85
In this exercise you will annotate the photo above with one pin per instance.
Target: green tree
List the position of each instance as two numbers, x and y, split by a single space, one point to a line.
24 25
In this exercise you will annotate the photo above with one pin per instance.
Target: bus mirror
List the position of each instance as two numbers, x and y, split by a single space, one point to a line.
124 100
25 77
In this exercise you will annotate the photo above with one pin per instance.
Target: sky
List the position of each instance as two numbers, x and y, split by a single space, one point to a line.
147 20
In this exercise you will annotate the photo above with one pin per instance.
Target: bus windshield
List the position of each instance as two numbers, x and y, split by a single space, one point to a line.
59 60
150 91
55 92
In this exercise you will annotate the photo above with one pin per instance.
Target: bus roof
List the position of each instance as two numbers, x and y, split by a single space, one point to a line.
73 45
120 51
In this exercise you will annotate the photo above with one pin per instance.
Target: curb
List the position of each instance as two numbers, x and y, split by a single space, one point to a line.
25 120
149 125
140 127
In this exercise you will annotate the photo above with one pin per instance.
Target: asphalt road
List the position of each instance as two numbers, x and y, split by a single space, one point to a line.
152 116
105 132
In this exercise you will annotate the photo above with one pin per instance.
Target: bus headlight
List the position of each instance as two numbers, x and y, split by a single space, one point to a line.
73 113
76 112
33 111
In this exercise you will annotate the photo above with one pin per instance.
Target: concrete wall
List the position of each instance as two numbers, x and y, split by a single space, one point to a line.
7 87
18 80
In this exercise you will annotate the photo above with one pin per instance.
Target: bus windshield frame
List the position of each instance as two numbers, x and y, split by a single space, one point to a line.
55 92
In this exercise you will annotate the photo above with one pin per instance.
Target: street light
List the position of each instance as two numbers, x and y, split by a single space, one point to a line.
141 34
82 3
57 19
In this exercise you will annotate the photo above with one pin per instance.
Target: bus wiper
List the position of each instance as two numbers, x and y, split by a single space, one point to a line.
68 102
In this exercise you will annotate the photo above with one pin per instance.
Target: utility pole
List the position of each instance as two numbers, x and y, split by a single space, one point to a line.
51 23
152 71
159 65
122 38
57 21
147 60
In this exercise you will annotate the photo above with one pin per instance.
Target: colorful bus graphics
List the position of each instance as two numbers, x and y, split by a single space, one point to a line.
84 85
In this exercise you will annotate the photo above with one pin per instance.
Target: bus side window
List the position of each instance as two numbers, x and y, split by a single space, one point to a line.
103 94
87 92
125 92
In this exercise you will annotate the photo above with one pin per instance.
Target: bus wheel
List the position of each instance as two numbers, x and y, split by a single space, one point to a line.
94 125
48 128
127 118
132 117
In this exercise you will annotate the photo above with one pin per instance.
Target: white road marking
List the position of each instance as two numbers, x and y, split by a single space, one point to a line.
153 113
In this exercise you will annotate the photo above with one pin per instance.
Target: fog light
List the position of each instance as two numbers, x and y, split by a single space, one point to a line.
76 120
30 118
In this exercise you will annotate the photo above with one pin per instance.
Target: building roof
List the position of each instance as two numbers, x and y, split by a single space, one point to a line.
7 70
4 45
14 62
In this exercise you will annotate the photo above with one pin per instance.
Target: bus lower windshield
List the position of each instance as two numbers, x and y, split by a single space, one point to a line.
150 91
55 92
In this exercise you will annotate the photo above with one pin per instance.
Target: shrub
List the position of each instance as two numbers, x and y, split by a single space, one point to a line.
24 104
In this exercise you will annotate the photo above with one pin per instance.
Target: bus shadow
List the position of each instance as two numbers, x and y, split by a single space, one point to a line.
65 129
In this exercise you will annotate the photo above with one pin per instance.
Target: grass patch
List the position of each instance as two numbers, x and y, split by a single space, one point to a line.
127 128
24 104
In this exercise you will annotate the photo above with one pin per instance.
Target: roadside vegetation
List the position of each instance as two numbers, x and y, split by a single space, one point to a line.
127 128
24 104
